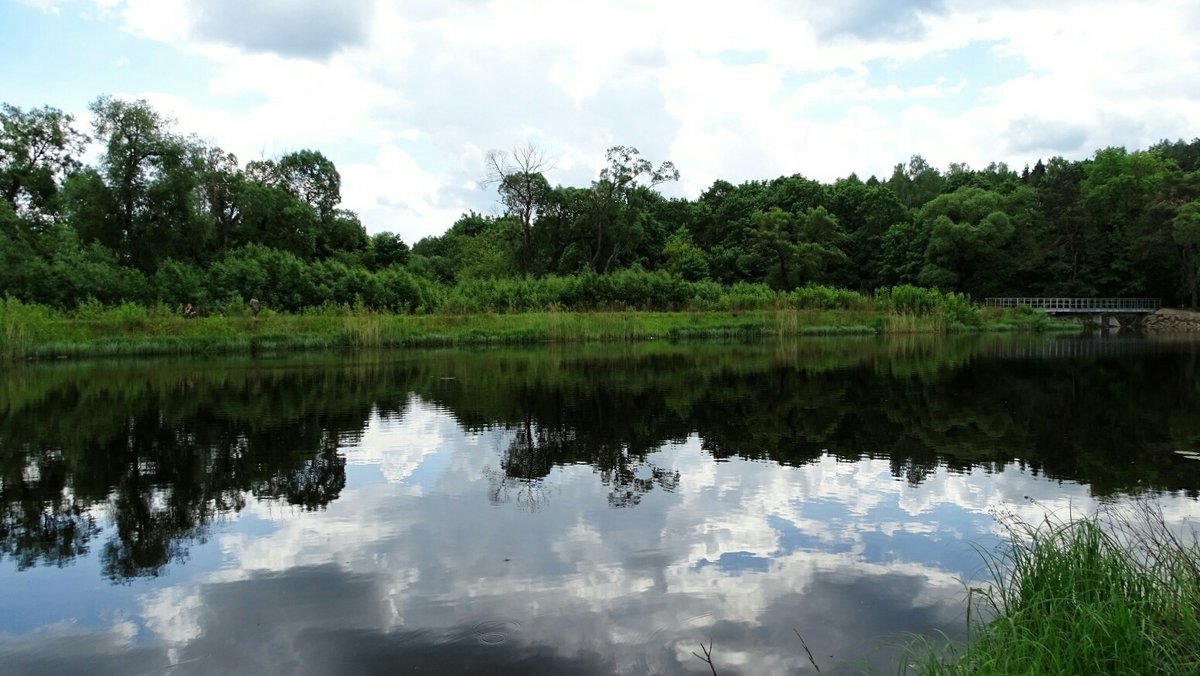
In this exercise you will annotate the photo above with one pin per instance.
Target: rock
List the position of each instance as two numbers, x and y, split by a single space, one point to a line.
1168 320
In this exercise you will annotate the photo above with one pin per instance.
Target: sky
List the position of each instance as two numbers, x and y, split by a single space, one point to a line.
407 97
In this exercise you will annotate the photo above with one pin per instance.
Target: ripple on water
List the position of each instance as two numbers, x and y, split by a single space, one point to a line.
495 632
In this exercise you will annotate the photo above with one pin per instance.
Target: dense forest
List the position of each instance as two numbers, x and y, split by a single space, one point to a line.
163 217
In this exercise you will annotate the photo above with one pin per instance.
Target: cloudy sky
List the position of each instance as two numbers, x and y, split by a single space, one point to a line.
407 97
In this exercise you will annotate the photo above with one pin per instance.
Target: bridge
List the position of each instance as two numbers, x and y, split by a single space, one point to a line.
1081 306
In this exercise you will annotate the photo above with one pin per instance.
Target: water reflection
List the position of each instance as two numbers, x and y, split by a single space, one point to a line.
628 590
162 460
450 510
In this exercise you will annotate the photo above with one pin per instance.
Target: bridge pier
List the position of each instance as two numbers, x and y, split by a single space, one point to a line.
1106 323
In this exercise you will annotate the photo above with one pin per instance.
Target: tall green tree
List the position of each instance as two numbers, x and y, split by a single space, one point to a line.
386 249
341 233
1185 232
38 148
219 182
313 179
795 194
916 183
271 216
1116 193
970 248
1065 241
307 175
619 213
775 240
150 173
798 249
562 226
865 213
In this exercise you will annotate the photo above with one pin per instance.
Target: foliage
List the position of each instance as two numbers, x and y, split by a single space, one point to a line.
682 257
163 217
816 297
38 148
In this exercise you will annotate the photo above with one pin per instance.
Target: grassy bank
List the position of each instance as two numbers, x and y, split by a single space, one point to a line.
32 331
1109 594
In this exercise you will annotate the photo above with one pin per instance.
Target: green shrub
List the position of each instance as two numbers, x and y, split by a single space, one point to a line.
958 310
176 284
744 296
908 299
819 297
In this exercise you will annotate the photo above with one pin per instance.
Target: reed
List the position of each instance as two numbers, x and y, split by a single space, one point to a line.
1114 593
32 331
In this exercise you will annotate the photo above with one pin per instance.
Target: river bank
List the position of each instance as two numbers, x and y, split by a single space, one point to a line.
32 332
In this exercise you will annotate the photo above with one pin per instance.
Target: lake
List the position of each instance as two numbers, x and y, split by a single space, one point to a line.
556 510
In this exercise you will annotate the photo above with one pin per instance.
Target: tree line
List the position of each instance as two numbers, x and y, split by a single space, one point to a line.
166 217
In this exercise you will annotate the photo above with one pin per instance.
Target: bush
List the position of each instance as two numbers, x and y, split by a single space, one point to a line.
958 310
744 296
176 283
908 299
397 289
818 297
624 290
276 278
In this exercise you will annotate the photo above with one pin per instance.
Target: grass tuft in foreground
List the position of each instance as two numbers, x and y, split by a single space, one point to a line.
1116 593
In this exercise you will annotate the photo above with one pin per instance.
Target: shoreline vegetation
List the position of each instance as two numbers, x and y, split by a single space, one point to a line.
1117 592
470 317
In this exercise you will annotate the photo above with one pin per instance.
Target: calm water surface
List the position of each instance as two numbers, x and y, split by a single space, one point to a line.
554 510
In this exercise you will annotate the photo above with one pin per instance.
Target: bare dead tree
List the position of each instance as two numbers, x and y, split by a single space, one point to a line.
518 177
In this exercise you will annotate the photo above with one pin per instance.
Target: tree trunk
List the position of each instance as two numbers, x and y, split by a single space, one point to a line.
1189 274
527 256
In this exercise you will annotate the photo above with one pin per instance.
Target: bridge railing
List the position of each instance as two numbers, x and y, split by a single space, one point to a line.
1067 305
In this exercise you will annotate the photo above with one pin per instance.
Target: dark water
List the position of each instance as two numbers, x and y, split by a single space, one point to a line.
557 511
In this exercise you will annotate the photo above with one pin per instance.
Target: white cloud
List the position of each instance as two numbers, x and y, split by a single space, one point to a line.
398 447
540 589
50 6
823 92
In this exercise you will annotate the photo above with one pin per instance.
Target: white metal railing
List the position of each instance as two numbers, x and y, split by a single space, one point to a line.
1080 305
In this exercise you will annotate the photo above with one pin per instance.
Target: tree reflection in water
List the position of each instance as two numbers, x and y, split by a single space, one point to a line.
147 456
537 449
162 460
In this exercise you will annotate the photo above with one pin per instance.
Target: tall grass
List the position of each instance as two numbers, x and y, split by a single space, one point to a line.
588 308
1115 593
20 326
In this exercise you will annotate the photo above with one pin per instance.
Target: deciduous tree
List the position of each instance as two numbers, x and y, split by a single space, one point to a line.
518 177
38 148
